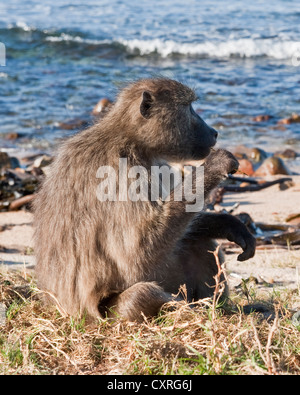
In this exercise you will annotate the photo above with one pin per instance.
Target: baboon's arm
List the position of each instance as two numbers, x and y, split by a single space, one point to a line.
171 218
223 226
177 218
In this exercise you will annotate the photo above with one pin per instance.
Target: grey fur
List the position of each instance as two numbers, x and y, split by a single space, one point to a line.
129 256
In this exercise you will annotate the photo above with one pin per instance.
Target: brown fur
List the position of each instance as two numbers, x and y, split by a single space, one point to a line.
128 256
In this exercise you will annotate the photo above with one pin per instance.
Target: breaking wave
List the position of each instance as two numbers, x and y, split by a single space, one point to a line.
243 48
275 47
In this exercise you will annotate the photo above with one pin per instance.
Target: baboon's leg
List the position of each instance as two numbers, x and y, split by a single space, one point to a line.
142 297
200 267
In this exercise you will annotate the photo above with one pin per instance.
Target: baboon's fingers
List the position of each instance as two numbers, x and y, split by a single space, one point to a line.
241 242
249 250
245 240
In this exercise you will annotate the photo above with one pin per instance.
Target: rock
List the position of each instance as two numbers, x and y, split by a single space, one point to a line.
29 160
284 121
295 118
272 166
13 136
102 106
246 167
7 162
257 155
286 154
37 171
262 118
40 166
73 124
14 163
42 161
20 175
4 160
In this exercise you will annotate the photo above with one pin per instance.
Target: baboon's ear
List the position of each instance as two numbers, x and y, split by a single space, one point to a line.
145 107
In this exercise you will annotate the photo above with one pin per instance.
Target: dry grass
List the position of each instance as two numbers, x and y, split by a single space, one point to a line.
205 339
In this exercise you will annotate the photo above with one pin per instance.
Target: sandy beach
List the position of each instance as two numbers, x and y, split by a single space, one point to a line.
275 266
16 239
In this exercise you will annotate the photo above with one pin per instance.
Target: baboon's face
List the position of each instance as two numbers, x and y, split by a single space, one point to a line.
201 137
182 133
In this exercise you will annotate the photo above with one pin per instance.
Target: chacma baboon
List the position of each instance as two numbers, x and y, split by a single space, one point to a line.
131 256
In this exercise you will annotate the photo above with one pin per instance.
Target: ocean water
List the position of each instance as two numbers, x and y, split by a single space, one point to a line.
242 58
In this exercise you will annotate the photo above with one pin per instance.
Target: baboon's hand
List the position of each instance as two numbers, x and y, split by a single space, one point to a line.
241 236
221 162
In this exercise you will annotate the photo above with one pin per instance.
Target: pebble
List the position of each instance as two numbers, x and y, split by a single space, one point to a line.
272 166
7 162
4 160
257 155
246 167
262 118
286 154
102 106
295 118
13 136
73 124
40 162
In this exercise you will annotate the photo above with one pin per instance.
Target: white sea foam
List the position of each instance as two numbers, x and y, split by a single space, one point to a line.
245 48
78 39
64 37
24 26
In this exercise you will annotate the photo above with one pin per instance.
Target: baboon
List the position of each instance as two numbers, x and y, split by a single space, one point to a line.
130 257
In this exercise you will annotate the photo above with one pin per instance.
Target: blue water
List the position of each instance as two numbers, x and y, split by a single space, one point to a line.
243 59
